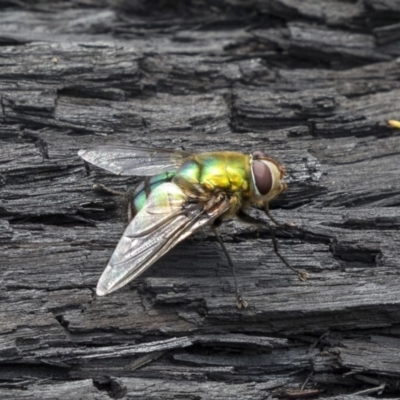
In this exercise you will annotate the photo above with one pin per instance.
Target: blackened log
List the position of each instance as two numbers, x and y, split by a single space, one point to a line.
312 84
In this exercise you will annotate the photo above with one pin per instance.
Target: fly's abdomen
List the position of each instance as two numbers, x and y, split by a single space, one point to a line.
143 189
228 171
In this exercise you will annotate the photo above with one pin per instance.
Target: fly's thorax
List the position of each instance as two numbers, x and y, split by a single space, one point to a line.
267 178
218 171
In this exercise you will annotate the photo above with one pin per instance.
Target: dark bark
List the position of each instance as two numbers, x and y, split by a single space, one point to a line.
312 84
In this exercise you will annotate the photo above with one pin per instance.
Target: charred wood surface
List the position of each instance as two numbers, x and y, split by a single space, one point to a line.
310 83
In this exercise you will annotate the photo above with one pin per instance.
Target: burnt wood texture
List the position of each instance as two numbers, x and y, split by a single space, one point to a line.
311 83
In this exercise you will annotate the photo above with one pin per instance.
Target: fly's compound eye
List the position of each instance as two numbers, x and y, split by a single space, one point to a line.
262 177
258 154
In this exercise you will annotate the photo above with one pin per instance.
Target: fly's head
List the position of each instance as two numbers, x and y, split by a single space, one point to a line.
267 178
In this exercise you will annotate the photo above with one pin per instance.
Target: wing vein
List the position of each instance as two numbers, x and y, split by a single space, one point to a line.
149 236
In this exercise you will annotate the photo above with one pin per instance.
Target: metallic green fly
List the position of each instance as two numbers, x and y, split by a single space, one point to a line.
181 193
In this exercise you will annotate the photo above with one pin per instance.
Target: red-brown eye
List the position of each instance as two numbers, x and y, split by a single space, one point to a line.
262 177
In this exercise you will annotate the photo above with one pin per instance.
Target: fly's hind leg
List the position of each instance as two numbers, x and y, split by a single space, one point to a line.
302 274
128 196
240 301
99 186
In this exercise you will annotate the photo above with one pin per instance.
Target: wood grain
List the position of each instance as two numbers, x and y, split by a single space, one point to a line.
312 84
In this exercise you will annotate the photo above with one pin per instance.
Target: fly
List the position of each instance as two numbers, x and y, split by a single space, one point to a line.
181 193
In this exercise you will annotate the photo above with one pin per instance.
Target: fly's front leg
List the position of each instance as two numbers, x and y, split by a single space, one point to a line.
266 210
303 275
240 301
269 215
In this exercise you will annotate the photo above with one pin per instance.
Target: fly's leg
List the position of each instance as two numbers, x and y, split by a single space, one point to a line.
240 301
99 186
302 274
270 216
128 195
248 219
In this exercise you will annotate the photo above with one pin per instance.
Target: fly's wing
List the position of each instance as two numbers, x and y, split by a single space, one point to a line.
167 218
126 160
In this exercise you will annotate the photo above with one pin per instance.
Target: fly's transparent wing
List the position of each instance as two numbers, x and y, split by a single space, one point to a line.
126 160
166 219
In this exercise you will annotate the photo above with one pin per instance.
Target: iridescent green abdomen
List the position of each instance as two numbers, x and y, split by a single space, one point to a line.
227 171
143 190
